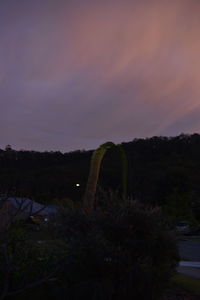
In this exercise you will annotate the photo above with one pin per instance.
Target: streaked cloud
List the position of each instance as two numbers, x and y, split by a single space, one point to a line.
77 73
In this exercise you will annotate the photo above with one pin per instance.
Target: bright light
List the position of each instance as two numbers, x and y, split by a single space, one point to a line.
77 184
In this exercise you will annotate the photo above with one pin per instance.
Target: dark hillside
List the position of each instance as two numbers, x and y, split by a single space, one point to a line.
160 168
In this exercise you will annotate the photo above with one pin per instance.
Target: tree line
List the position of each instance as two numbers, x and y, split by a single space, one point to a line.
161 171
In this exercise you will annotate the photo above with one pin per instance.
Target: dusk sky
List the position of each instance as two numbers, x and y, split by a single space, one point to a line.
77 73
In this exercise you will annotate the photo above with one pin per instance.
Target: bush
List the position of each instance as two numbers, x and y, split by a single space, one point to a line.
123 252
25 263
120 254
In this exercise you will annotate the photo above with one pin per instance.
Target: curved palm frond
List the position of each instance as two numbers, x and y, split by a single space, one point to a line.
95 165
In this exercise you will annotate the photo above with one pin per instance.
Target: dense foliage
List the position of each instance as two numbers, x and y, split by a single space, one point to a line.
122 253
25 261
159 168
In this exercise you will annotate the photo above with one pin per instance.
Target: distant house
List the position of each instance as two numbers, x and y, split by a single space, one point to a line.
16 208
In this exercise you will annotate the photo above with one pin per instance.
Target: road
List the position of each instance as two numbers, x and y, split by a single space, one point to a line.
189 271
189 250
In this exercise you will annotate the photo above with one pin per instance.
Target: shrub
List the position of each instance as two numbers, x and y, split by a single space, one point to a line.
25 263
124 253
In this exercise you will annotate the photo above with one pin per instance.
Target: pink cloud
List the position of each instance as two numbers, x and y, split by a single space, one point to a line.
77 73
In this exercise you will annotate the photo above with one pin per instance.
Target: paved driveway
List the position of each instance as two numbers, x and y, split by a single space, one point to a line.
190 271
189 250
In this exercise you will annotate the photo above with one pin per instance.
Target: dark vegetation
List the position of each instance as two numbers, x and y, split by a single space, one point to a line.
121 253
120 248
162 171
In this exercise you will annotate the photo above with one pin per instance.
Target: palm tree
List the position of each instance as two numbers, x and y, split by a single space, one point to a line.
89 196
